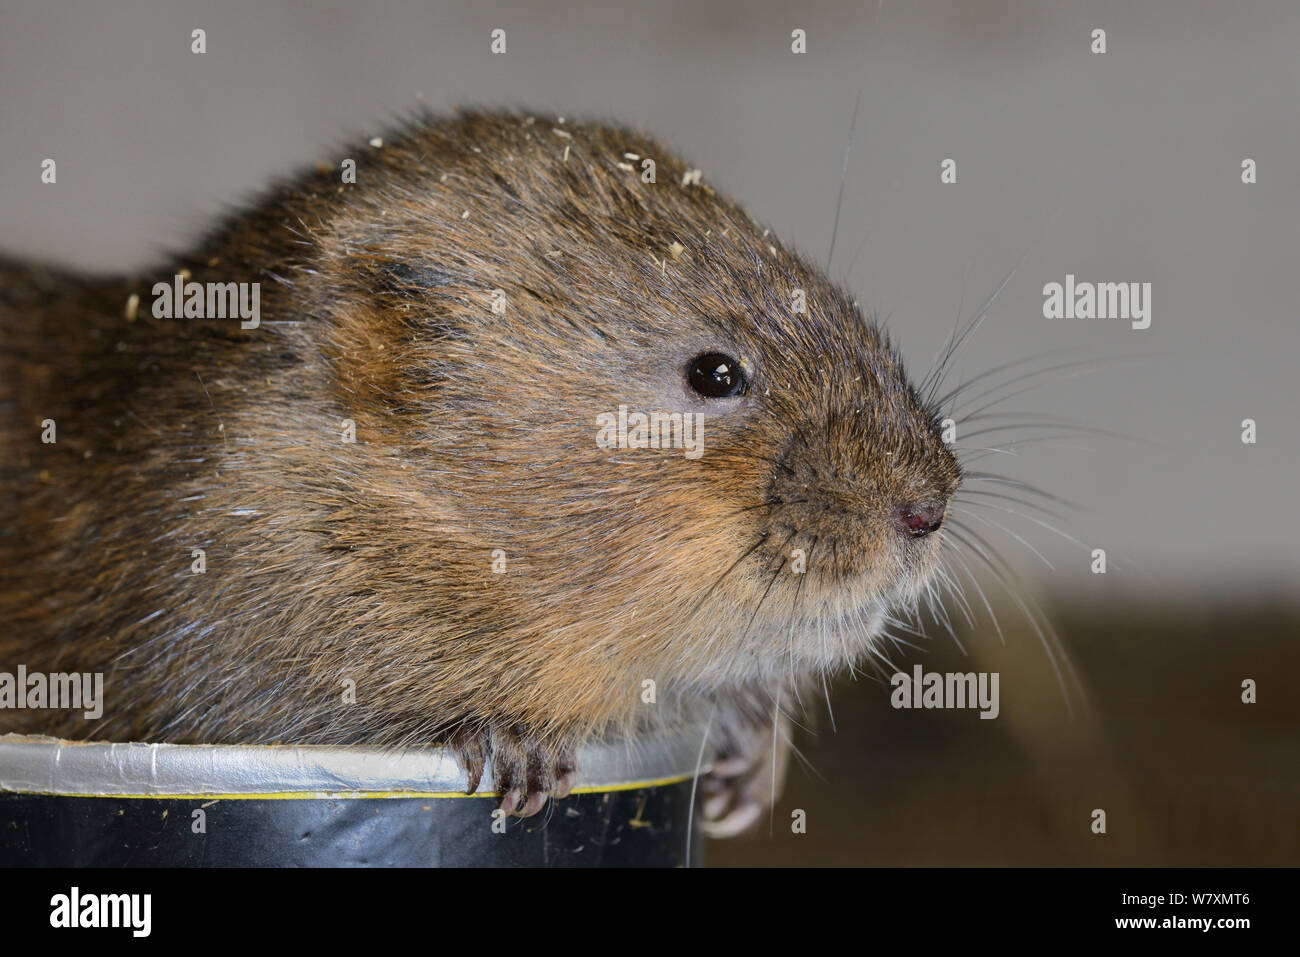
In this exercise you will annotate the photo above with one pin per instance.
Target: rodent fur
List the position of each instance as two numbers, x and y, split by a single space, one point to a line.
474 431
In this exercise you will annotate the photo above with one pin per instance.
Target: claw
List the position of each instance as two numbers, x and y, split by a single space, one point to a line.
527 771
715 805
744 780
473 774
471 755
732 767
738 819
536 801
510 801
564 783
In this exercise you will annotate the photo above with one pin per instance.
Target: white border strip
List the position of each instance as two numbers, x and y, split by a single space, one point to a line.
43 765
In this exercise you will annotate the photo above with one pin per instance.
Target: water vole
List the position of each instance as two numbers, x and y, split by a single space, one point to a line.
491 293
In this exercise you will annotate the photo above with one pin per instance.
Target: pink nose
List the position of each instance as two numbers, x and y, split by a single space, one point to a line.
918 520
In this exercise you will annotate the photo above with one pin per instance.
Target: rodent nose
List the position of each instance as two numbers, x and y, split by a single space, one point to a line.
918 520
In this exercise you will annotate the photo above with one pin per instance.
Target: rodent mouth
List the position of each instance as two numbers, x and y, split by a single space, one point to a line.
866 503
850 559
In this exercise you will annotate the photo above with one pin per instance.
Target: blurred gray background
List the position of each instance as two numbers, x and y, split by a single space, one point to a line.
1116 167
1122 167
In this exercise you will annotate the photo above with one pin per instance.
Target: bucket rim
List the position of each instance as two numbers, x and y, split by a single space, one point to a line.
38 764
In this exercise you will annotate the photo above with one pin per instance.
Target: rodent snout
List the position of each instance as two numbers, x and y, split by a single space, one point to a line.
918 519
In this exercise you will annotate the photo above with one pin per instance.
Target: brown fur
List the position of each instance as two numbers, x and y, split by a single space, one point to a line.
474 431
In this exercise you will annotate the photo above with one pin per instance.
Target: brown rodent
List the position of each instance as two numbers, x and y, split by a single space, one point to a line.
376 561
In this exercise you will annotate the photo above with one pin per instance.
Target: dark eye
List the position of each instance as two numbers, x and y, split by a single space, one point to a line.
716 376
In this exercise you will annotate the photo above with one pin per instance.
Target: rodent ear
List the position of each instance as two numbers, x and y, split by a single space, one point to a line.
399 277
381 275
419 294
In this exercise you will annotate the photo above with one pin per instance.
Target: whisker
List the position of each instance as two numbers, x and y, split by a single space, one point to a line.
793 618
1069 429
699 764
966 493
844 172
1050 641
935 376
980 590
1076 367
999 525
1037 521
734 565
895 622
940 401
959 594
780 566
1024 486
940 614
776 734
994 403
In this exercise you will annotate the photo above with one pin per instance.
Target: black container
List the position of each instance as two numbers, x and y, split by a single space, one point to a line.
71 804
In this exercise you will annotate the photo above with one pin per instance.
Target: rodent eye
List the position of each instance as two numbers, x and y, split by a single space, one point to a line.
716 375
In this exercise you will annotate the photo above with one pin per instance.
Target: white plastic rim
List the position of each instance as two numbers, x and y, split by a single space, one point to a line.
44 765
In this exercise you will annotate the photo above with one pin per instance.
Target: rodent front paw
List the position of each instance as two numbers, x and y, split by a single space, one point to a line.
526 770
746 779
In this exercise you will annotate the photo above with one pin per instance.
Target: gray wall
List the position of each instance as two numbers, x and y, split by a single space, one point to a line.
1117 167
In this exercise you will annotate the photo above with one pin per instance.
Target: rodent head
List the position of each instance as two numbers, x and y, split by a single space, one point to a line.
502 289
